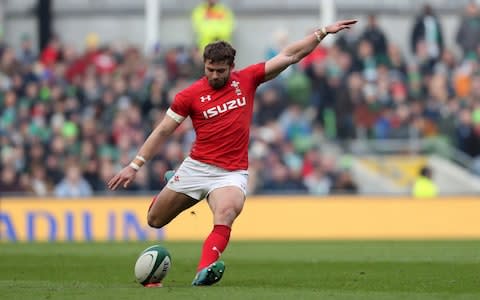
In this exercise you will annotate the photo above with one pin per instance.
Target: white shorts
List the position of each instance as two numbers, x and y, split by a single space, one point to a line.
197 179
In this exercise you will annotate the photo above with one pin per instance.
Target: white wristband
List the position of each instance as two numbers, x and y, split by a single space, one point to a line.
141 158
324 31
317 35
134 166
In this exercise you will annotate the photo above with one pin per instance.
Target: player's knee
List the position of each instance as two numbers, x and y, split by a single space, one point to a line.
154 221
227 215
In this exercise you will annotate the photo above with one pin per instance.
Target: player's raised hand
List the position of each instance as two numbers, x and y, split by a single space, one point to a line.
340 25
124 177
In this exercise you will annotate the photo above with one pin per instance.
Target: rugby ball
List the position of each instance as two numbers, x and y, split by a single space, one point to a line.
152 265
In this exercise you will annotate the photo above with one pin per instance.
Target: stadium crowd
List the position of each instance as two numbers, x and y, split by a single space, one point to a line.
70 119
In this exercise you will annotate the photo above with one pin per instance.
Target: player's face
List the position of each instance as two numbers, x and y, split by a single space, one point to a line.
217 73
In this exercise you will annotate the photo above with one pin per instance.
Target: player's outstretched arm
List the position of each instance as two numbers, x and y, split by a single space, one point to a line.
149 148
294 52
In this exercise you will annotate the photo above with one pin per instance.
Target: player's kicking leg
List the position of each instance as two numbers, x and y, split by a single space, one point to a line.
166 206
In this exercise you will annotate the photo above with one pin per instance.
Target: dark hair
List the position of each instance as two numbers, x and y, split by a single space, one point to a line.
219 52
426 171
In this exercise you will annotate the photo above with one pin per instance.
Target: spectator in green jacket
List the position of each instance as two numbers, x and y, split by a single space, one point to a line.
424 187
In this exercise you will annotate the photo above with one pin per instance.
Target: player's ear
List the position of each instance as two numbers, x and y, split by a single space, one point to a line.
232 66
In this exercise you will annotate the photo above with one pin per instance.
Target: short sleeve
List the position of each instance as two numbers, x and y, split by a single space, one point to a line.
256 71
180 107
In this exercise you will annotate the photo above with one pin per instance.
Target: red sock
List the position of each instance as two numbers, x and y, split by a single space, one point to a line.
214 245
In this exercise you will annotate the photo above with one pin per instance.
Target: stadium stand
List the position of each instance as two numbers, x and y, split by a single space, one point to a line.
67 106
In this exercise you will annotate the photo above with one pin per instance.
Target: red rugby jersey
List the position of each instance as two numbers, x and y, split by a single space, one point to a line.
221 118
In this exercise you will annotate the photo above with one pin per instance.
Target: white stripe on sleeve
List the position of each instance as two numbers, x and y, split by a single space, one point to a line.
178 118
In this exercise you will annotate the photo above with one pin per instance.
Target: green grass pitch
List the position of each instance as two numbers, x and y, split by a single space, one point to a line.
255 270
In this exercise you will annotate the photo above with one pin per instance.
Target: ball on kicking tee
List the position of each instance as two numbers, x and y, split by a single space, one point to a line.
152 266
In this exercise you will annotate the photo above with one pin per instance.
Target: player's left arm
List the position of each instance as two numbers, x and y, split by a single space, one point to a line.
149 148
294 52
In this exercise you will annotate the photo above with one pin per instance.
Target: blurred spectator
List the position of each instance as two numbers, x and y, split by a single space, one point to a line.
348 41
298 88
51 53
279 41
317 73
26 55
396 61
280 181
10 182
318 182
92 173
270 103
97 104
374 34
347 98
9 65
424 187
41 185
344 183
462 76
468 132
367 62
468 34
446 66
212 21
427 29
73 184
296 126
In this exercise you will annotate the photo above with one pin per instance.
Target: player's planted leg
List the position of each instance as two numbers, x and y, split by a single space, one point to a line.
226 204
